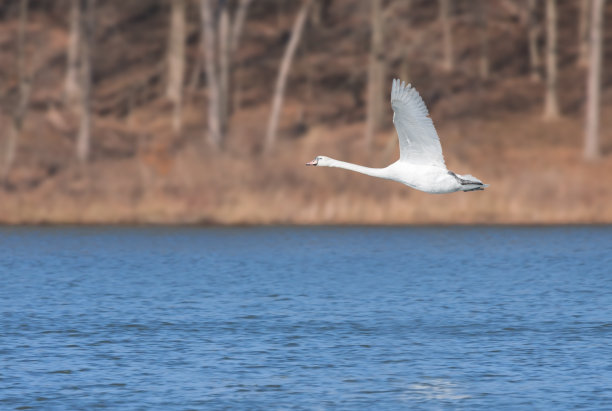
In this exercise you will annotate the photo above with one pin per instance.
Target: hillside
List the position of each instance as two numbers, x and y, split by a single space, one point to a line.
141 172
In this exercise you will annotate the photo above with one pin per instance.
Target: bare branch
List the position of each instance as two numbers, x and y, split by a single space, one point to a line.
176 61
551 106
84 137
591 144
208 45
281 80
24 95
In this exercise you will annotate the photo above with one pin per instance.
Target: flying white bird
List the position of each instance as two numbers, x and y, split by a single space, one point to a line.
421 164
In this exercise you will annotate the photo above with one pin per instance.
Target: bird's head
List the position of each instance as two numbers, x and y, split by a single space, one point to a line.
320 161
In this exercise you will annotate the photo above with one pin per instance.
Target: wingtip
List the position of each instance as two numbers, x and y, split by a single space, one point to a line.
400 85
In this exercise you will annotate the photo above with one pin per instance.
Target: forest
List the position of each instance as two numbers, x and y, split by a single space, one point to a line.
205 111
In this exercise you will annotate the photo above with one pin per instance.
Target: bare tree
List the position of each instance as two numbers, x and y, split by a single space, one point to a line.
376 74
283 72
87 27
551 105
224 64
176 60
71 86
591 143
532 35
194 80
444 15
24 95
583 32
219 44
237 28
238 24
208 45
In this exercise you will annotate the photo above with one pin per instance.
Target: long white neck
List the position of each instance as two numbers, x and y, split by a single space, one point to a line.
374 172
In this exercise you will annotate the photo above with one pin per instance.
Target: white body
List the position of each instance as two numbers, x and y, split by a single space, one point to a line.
432 179
421 164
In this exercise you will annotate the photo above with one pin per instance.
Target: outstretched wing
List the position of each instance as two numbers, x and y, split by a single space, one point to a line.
419 143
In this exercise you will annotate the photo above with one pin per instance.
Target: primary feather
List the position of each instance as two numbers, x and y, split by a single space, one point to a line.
419 143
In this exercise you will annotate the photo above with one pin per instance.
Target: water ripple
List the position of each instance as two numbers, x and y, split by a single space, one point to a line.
350 318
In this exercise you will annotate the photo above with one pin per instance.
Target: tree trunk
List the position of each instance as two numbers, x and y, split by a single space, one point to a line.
583 32
194 80
482 16
448 63
238 25
224 65
24 95
591 143
551 108
376 74
532 34
71 86
281 80
87 27
208 30
237 28
176 61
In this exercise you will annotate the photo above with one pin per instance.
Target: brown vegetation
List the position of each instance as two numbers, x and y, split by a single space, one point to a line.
140 170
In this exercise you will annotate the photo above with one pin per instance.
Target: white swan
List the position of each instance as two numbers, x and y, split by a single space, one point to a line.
421 164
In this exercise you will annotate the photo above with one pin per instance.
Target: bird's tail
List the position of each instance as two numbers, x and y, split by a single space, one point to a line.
469 182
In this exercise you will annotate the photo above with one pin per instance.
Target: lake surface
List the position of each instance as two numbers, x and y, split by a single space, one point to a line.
306 318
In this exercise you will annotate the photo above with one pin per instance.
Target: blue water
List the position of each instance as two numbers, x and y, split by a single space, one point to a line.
306 318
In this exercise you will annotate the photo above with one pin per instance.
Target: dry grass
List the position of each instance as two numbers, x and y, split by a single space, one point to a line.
531 181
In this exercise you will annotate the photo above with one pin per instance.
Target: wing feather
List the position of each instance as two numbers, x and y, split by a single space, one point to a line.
419 143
